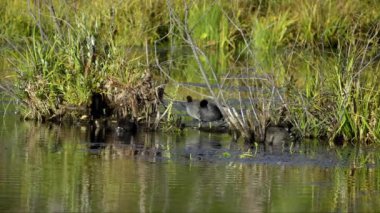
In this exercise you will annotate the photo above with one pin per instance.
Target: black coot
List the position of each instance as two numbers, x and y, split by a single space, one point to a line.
209 111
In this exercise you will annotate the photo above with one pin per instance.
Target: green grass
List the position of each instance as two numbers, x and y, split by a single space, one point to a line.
318 57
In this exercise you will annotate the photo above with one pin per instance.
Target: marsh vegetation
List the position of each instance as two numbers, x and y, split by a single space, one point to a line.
312 64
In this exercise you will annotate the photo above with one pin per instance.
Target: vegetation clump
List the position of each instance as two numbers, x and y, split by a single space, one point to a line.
138 99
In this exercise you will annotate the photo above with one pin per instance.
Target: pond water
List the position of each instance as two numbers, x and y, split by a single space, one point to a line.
50 168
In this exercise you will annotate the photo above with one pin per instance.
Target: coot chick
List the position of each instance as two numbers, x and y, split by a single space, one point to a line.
126 126
277 135
209 111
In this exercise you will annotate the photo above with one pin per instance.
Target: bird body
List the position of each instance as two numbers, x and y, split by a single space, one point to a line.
277 135
125 125
204 110
209 111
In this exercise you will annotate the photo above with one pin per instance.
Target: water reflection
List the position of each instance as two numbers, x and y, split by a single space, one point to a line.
45 168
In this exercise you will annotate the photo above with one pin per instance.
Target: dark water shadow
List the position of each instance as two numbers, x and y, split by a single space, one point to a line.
195 145
189 145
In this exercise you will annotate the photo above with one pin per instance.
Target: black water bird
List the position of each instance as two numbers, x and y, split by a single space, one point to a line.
99 107
277 135
126 126
209 111
203 111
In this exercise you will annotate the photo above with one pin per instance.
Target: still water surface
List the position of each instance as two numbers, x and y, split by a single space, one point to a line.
48 168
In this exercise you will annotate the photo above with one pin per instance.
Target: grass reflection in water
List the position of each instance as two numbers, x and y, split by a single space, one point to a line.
51 168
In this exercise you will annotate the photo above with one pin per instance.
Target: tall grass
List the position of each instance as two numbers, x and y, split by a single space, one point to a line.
52 71
357 90
310 63
132 22
323 93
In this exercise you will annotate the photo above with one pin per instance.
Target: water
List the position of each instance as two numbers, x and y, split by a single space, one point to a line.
49 168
